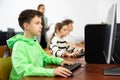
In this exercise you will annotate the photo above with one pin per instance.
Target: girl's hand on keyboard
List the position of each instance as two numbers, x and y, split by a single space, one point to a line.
73 54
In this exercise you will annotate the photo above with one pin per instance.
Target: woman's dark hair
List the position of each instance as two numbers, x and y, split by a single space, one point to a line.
40 6
27 15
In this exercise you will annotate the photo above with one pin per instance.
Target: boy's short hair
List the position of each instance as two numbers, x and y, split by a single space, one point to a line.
67 21
27 15
40 6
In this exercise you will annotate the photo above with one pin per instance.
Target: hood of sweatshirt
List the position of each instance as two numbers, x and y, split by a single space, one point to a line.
20 37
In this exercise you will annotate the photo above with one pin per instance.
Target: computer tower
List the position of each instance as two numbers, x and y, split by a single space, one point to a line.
94 43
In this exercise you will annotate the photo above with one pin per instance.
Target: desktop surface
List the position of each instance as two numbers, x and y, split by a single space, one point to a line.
90 72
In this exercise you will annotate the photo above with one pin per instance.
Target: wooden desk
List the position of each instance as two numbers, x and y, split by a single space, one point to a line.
90 72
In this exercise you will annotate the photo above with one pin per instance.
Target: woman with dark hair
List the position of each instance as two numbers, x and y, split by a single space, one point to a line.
42 38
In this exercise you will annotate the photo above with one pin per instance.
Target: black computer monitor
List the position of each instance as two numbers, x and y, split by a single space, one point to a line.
110 40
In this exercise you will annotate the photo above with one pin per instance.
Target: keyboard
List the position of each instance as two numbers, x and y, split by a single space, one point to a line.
72 67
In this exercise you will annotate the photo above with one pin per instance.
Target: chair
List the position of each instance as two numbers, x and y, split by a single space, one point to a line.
3 49
5 68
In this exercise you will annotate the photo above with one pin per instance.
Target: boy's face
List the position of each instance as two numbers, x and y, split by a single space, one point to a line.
64 31
70 27
34 27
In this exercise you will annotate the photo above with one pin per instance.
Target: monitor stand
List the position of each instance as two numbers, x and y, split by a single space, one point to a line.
115 71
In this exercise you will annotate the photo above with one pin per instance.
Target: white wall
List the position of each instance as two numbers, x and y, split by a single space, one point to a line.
81 12
103 7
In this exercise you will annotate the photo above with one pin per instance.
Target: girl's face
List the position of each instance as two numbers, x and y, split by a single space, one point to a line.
64 31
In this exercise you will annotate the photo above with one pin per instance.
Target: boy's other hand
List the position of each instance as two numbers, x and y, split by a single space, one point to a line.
66 62
61 71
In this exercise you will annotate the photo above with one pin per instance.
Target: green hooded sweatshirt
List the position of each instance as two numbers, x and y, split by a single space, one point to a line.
29 59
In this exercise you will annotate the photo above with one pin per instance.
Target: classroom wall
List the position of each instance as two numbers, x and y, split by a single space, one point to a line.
81 12
103 7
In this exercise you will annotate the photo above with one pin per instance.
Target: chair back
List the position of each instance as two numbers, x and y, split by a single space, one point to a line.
3 49
5 68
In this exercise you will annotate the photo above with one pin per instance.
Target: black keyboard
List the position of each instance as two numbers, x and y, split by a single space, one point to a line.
72 67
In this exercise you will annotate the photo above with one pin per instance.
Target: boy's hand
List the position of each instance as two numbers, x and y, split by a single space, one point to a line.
61 71
66 62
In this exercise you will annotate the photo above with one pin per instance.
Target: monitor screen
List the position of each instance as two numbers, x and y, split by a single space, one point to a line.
110 33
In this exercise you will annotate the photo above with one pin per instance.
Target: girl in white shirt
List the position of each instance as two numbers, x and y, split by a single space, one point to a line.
58 46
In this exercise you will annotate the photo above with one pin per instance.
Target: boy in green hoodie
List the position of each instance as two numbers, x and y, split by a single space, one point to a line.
28 58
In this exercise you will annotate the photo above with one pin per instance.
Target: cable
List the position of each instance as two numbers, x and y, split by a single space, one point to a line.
118 58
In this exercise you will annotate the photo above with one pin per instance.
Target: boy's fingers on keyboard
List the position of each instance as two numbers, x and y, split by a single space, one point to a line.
64 72
60 74
61 71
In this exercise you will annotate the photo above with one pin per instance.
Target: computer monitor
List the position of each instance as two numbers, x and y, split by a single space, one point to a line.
110 33
110 41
